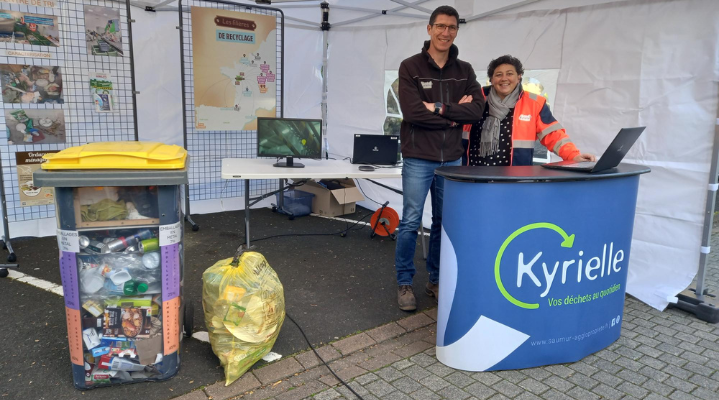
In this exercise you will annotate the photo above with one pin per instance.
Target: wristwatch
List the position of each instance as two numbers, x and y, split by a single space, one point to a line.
437 108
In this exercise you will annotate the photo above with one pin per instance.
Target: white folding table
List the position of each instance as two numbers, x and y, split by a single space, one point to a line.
262 168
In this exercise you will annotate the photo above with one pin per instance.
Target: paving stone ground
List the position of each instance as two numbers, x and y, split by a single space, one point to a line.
660 355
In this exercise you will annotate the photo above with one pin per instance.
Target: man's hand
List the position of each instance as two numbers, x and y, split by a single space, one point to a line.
585 157
465 99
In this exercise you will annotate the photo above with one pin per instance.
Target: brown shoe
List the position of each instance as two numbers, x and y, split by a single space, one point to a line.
405 298
432 290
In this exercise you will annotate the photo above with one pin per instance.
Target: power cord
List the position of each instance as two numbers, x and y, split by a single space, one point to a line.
363 193
399 165
344 157
321 359
235 262
341 233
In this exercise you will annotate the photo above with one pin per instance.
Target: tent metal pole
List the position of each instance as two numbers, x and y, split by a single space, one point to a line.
314 25
699 301
501 9
324 92
380 12
325 26
410 5
366 17
709 213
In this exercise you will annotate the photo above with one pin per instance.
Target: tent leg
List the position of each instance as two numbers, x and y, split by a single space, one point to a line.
700 301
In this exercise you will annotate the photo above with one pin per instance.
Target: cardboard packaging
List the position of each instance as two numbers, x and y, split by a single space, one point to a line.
333 197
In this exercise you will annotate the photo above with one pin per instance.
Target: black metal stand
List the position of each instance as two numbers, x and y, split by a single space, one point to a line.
5 238
705 307
188 218
698 300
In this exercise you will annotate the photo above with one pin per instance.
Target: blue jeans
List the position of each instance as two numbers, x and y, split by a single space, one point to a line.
417 178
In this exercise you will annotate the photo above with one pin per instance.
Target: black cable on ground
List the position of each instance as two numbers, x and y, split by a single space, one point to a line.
313 234
323 361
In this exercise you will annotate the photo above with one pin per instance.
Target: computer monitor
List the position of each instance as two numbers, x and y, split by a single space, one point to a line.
289 137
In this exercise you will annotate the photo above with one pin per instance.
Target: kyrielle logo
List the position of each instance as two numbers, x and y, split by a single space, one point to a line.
574 271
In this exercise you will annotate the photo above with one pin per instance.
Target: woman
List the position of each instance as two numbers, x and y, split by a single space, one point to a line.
513 120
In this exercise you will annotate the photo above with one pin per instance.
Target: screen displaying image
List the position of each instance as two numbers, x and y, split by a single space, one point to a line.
284 137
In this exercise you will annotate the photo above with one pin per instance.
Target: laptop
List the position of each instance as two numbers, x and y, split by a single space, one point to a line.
375 149
612 156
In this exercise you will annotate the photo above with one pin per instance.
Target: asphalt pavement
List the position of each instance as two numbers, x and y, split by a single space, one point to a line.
334 286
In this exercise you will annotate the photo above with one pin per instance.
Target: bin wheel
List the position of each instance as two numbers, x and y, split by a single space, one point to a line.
12 257
195 228
188 319
4 272
292 217
274 209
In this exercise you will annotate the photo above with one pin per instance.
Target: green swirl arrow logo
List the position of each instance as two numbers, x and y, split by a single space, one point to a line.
568 241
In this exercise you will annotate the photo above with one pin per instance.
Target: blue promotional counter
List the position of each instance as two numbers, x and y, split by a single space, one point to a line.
534 264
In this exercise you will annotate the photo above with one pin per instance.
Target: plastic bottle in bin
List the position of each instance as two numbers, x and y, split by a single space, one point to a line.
134 287
123 242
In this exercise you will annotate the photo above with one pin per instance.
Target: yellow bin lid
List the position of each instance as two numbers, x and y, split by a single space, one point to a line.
118 155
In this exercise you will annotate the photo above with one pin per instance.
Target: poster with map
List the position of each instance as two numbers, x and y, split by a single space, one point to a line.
234 58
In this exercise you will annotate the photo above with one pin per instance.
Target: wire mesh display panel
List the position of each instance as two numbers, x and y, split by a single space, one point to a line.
207 147
47 108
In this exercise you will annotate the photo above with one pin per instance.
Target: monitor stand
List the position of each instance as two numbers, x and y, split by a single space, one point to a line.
288 164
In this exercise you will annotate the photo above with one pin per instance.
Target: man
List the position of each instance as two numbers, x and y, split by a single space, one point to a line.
431 85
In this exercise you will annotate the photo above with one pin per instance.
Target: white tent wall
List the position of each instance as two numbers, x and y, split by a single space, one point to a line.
629 63
663 76
621 63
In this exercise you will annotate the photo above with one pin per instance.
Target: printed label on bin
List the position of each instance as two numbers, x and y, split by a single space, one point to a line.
170 234
68 241
170 271
171 325
74 335
68 273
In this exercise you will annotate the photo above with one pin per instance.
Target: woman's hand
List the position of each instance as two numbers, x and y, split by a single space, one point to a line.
585 157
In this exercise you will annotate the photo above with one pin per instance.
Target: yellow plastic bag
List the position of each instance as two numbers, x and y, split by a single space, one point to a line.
244 308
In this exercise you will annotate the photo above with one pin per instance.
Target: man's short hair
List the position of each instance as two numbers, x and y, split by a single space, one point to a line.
505 59
443 10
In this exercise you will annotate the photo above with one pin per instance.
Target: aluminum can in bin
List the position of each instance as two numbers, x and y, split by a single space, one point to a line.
95 247
123 242
116 245
84 241
149 245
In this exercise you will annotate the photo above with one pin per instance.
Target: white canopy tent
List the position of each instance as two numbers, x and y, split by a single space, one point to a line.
621 63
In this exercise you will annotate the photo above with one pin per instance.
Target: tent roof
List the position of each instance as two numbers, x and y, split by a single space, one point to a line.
306 13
